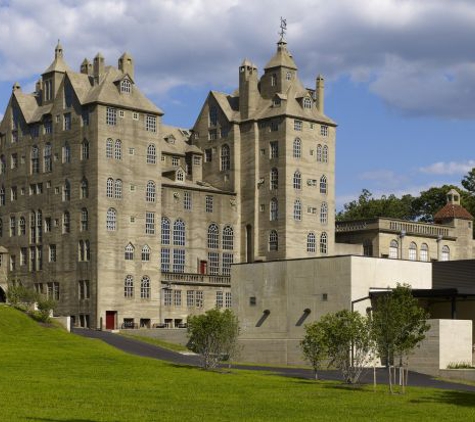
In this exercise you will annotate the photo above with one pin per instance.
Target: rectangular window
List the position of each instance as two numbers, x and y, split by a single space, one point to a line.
135 115
199 299
111 116
209 203
48 125
165 260
227 261
208 155
149 222
196 160
274 126
151 123
178 260
67 121
187 200
175 161
219 299
47 224
190 298
324 130
85 117
84 291
23 256
213 135
167 297
228 300
297 124
274 149
52 253
177 297
213 262
12 262
53 291
14 193
14 161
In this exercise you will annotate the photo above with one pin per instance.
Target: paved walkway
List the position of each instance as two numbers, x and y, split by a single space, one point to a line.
140 348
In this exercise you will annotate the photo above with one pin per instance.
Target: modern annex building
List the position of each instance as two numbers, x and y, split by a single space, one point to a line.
128 222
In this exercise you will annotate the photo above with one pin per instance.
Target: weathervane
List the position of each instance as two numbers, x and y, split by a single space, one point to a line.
283 27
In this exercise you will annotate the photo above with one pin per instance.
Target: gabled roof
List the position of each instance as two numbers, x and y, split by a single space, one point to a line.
453 211
81 84
227 103
27 103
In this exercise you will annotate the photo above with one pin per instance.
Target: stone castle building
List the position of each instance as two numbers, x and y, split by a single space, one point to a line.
128 222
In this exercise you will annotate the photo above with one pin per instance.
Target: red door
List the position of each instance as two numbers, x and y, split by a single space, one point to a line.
110 320
203 267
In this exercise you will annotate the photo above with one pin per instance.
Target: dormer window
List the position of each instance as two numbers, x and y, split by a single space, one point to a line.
180 176
307 102
277 102
125 86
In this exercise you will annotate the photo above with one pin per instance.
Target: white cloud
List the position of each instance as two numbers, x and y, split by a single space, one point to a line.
414 55
450 168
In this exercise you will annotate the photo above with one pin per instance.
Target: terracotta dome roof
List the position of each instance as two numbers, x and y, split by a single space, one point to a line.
453 211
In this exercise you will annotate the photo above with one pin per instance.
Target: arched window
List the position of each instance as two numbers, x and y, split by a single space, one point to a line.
118 189
297 180
146 253
394 249
66 153
325 154
225 158
274 178
179 233
165 231
87 248
129 286
412 251
129 252
274 209
323 184
424 255
297 150
21 226
84 220
323 243
297 210
273 241
110 188
228 238
66 222
48 161
213 236
35 162
324 213
111 219
66 190
145 287
319 152
150 193
84 188
118 150
311 242
151 154
109 148
445 256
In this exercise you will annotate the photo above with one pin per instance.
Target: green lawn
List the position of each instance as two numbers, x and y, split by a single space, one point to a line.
47 374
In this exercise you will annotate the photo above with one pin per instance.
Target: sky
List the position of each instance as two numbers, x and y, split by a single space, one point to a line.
399 74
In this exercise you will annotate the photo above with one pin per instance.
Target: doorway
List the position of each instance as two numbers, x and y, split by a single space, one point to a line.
111 317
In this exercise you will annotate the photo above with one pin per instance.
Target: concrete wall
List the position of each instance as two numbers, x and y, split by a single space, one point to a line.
447 341
275 300
170 335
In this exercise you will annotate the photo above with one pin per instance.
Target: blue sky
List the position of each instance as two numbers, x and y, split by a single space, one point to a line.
399 74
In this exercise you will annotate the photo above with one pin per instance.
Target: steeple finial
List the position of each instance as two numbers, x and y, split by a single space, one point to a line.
58 51
283 29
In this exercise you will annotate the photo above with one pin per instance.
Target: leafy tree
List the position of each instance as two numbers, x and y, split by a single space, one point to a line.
430 201
213 335
399 325
20 296
344 339
45 306
468 181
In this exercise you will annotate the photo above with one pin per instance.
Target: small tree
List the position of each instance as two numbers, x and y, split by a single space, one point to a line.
399 325
313 346
20 296
45 306
213 335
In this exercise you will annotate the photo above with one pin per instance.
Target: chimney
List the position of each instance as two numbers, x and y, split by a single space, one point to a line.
320 93
98 67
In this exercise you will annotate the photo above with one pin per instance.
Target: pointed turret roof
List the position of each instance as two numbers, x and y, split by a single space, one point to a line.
58 65
282 57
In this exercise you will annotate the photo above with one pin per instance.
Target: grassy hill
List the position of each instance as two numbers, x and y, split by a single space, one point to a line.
47 374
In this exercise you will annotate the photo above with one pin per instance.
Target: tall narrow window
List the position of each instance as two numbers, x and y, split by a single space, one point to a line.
109 148
324 244
311 241
118 149
274 179
213 236
297 210
209 203
2 196
213 263
228 259
187 204
35 162
129 252
151 123
179 233
424 255
21 226
323 185
165 231
325 154
213 116
150 192
149 222
85 150
297 182
319 152
151 154
66 190
146 253
178 260
297 150
84 219
118 189
145 287
84 188
110 188
274 149
66 222
274 209
228 238
412 251
48 162
129 286
111 116
445 255
273 241
66 152
111 219
394 249
324 213
225 158
165 260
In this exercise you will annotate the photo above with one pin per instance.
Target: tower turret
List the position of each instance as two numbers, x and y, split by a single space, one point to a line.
248 89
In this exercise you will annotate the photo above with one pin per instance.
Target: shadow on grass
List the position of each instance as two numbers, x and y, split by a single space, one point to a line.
60 420
456 398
